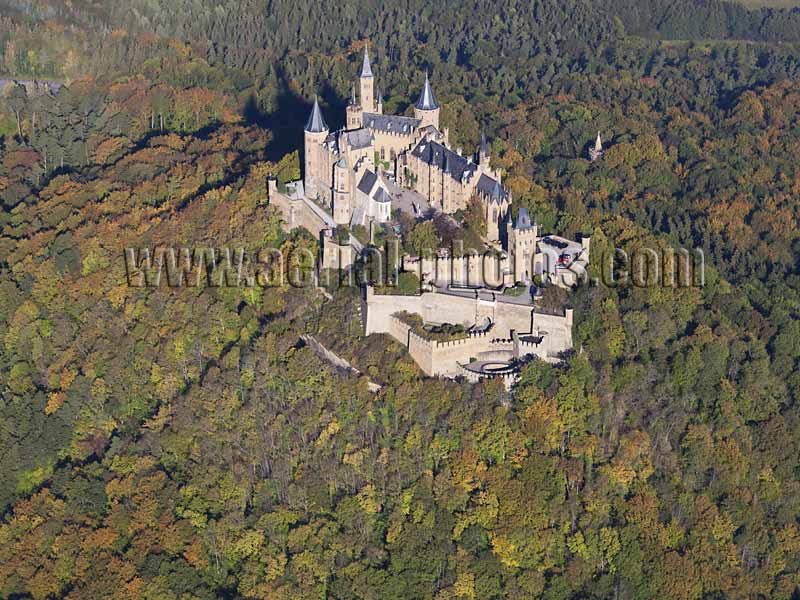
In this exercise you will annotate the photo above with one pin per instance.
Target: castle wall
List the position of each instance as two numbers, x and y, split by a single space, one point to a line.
447 356
443 358
399 330
336 256
556 332
447 308
469 270
295 212
421 350
498 343
499 353
379 309
391 142
508 379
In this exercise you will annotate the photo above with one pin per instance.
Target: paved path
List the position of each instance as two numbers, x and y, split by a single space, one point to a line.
524 299
319 212
408 201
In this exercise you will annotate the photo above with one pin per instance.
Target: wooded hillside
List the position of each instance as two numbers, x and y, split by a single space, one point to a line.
184 443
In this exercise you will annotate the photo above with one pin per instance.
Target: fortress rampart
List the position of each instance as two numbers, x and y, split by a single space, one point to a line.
517 330
484 270
295 211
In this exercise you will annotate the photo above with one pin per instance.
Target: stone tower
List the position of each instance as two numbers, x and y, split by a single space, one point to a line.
367 85
496 209
426 109
522 236
341 192
354 114
314 135
596 153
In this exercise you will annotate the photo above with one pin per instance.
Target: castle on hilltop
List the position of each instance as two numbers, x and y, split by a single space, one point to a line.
355 176
347 169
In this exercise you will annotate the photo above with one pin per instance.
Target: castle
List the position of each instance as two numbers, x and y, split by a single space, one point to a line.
347 169
355 175
353 172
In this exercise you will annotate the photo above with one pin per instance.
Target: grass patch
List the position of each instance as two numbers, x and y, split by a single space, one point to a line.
516 291
407 285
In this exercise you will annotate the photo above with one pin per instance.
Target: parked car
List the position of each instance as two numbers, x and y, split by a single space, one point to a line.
553 242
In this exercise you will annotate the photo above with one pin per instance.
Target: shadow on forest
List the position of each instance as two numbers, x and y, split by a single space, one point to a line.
291 112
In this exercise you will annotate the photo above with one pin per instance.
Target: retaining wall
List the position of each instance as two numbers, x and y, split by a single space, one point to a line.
445 358
295 212
474 270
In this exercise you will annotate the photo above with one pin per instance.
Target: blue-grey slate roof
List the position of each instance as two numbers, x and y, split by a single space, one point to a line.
491 188
381 196
426 100
366 69
523 219
368 180
359 138
315 123
391 123
434 153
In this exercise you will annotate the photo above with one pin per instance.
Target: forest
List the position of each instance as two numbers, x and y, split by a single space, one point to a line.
184 443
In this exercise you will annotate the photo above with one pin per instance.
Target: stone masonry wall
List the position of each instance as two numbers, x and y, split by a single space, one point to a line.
296 213
474 270
443 358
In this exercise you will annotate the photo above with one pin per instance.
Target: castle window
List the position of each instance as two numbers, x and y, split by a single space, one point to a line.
383 154
494 215
392 155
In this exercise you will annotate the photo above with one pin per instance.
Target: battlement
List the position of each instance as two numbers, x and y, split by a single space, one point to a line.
500 342
485 270
471 337
394 133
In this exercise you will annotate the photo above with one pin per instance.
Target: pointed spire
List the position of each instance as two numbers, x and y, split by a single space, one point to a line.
596 153
353 101
484 146
427 101
446 166
497 191
523 219
315 123
366 70
379 96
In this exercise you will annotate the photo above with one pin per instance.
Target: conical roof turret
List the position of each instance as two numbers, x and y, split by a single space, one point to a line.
315 123
427 101
523 219
366 69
